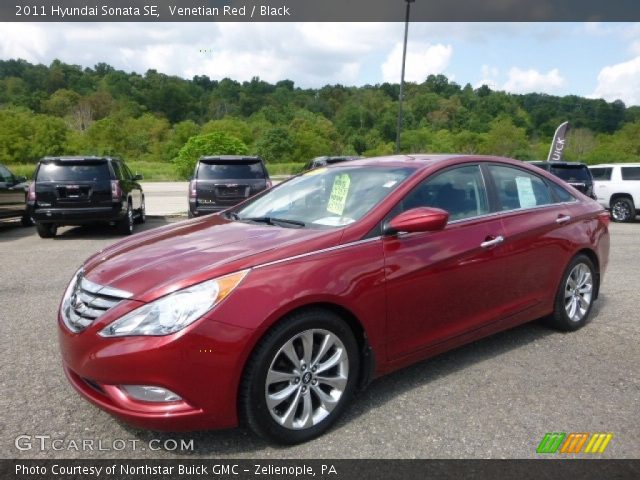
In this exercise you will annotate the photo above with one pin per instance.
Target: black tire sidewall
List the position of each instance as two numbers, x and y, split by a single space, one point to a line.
560 319
254 408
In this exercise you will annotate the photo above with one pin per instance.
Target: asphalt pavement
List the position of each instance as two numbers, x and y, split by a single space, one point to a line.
495 398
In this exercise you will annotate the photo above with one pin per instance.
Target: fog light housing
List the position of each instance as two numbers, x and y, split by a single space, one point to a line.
150 393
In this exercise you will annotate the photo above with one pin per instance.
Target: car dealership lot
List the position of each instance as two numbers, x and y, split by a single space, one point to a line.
494 398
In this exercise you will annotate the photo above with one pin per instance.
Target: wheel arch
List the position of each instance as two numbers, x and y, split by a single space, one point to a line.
367 356
616 196
591 255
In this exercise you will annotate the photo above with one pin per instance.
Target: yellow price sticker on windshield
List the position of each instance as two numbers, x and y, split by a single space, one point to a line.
339 192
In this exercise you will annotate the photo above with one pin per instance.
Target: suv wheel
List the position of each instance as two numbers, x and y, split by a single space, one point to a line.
622 210
142 213
46 230
300 378
26 220
125 226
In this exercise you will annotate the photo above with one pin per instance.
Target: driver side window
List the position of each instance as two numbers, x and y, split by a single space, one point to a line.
459 191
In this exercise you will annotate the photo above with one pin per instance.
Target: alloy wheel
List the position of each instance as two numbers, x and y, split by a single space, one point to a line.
306 379
620 211
578 292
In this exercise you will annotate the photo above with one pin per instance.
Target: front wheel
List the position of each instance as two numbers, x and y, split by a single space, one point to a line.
622 210
301 377
575 295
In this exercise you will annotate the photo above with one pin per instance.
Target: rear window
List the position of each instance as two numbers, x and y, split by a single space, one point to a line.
74 172
631 173
601 173
220 170
571 173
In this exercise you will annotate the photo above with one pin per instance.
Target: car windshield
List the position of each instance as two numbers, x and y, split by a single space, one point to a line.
220 170
571 173
330 197
81 171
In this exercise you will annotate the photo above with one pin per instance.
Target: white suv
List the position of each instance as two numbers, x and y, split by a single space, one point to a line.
617 186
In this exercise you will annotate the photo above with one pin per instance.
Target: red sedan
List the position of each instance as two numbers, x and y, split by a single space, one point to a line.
274 312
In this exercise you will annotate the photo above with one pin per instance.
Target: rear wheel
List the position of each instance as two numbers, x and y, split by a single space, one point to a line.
26 220
46 230
300 378
575 295
142 213
622 210
125 226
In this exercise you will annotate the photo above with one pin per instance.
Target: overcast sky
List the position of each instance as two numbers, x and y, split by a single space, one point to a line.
589 59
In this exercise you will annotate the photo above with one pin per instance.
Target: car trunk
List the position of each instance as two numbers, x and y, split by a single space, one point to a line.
227 183
73 184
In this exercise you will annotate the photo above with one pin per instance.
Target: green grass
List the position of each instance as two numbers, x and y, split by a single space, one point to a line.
155 171
22 170
284 168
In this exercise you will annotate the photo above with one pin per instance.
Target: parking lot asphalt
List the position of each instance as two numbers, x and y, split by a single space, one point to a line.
495 398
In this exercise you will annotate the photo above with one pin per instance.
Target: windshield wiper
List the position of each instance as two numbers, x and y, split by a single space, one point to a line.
274 221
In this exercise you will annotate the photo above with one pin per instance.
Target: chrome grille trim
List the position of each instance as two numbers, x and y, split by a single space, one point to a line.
87 301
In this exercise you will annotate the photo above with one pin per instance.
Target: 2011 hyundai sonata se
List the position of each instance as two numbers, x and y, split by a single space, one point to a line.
274 312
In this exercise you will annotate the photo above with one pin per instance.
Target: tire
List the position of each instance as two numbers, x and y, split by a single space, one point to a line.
622 210
142 213
575 295
26 220
319 399
125 226
46 230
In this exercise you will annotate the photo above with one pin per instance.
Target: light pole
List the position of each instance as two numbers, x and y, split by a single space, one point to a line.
404 58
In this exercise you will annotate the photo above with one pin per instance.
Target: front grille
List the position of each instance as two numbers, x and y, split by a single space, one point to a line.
88 301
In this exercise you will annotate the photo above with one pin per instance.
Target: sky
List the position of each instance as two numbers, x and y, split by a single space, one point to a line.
596 60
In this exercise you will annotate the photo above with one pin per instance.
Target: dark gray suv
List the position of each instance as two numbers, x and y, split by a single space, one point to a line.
224 181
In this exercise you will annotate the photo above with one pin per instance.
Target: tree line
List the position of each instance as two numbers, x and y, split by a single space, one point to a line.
66 109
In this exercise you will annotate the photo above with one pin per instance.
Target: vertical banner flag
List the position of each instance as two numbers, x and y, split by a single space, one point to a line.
557 146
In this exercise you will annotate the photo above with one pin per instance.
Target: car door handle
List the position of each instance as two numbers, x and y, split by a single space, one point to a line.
563 219
493 242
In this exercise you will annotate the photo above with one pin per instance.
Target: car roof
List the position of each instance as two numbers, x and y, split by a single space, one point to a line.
75 158
417 160
615 165
567 164
230 158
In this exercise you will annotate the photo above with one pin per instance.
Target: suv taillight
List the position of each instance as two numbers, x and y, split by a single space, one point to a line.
116 191
31 194
193 190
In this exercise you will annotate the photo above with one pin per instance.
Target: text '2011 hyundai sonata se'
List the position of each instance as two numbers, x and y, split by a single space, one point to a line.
274 312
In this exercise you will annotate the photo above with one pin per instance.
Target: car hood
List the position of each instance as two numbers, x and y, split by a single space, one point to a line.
169 258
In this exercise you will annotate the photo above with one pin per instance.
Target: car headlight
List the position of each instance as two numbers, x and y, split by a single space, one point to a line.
175 311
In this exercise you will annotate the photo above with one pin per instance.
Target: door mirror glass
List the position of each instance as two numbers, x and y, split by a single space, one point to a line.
137 176
21 179
421 219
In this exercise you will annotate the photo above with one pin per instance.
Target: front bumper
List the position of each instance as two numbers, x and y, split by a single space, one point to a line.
202 364
78 216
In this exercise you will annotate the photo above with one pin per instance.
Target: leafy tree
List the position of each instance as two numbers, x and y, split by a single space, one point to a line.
275 145
216 143
504 138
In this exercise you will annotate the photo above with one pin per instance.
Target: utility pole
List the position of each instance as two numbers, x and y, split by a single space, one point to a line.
404 58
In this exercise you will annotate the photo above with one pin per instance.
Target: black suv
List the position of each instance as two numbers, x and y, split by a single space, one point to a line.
13 197
575 174
224 181
324 161
84 190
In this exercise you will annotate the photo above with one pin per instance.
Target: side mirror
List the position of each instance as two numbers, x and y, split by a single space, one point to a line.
421 219
137 176
21 179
